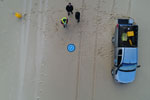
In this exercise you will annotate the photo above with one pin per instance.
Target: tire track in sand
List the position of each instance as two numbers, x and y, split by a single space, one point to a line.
23 48
79 56
43 5
113 6
95 50
129 8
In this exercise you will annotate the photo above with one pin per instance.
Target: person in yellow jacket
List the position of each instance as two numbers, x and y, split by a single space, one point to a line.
64 21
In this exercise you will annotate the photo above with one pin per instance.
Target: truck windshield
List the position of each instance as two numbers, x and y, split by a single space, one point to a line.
128 67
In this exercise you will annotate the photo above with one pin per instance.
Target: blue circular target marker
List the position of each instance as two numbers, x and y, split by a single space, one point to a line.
71 47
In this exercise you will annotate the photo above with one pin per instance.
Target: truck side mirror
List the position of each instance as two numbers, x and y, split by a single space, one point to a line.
138 66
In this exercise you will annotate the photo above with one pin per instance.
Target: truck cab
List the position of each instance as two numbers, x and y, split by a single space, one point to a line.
125 43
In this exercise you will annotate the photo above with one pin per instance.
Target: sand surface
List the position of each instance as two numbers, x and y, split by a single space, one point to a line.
35 63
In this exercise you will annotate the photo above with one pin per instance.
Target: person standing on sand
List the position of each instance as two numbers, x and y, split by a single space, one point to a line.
69 9
64 21
77 16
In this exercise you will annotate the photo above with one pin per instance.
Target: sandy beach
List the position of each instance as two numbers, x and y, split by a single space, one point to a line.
35 63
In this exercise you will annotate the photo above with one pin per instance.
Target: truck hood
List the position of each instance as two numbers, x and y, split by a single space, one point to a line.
125 77
130 55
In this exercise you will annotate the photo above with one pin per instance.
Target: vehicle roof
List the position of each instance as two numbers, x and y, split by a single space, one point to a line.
130 56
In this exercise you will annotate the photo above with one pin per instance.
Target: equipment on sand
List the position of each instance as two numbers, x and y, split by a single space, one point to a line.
18 15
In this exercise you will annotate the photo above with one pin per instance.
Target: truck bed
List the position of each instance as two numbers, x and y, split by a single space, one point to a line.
125 29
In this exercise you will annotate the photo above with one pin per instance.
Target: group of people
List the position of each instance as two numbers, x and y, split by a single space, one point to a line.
69 9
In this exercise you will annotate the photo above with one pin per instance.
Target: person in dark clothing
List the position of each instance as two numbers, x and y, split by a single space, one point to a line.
69 9
77 16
